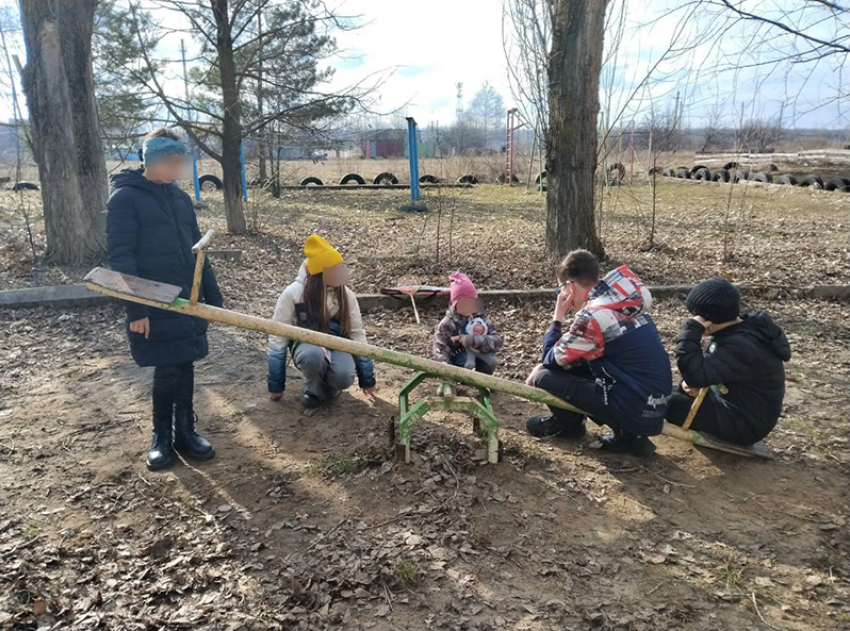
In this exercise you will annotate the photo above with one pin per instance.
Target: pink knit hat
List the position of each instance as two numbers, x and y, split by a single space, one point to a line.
461 287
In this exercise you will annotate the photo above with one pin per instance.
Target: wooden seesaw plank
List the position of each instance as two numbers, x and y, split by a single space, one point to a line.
127 285
701 439
164 296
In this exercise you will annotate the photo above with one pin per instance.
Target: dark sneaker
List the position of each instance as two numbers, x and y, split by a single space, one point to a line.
548 425
310 401
625 443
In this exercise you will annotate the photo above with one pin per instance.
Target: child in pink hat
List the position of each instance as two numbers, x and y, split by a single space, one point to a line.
466 336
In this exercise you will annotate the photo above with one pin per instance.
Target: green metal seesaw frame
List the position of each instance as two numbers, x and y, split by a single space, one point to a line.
163 296
480 408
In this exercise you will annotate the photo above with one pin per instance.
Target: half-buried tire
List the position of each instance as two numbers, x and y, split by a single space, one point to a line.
702 174
764 177
617 171
787 180
683 174
307 181
210 183
467 179
24 186
814 181
385 178
837 184
429 179
668 172
352 177
721 175
741 175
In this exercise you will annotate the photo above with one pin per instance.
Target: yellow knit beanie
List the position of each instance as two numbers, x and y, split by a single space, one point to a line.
320 255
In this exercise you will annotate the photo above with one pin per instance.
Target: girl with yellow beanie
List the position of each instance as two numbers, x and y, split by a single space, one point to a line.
319 300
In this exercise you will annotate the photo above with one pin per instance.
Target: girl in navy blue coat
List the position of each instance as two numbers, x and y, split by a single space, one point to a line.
151 228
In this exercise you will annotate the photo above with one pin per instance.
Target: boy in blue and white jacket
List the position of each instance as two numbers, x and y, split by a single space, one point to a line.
611 362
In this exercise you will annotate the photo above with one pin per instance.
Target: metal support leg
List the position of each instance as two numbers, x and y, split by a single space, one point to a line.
481 408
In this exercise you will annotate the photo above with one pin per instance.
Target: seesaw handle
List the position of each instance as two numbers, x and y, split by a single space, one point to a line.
202 245
200 250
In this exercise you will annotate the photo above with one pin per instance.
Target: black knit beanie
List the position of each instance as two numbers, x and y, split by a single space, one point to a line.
717 300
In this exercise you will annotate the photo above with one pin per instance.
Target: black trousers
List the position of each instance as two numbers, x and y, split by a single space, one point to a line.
172 384
577 386
710 419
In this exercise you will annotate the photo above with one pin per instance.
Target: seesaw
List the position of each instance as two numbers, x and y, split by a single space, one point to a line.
167 297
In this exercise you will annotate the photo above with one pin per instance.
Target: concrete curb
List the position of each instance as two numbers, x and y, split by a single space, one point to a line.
79 296
56 296
369 302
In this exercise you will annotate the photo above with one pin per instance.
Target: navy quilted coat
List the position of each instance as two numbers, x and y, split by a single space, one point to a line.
151 229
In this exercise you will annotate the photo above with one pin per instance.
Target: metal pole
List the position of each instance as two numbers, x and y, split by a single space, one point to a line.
195 175
242 163
413 156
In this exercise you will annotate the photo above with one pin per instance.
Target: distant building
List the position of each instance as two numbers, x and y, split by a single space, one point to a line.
384 143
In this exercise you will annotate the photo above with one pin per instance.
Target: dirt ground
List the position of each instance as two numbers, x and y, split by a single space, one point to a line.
303 521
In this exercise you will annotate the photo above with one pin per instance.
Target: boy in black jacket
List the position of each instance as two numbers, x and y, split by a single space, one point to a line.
742 362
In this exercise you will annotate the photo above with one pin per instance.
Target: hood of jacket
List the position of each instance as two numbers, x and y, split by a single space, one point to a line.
301 277
762 327
621 290
136 179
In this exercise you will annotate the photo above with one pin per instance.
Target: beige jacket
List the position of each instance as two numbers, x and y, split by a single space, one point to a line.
284 311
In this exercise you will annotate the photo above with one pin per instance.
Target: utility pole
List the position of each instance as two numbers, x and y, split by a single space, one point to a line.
459 111
678 114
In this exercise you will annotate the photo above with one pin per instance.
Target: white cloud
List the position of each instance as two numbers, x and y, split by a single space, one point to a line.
431 46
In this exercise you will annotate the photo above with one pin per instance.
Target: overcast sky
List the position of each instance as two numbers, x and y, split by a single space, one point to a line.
425 48
446 42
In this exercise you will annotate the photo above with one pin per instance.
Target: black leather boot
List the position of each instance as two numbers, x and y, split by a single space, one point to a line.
161 451
186 440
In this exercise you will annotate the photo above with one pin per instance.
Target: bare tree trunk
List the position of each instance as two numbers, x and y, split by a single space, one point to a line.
232 127
574 68
59 87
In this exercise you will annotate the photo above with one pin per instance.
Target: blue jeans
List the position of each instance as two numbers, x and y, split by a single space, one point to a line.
483 363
